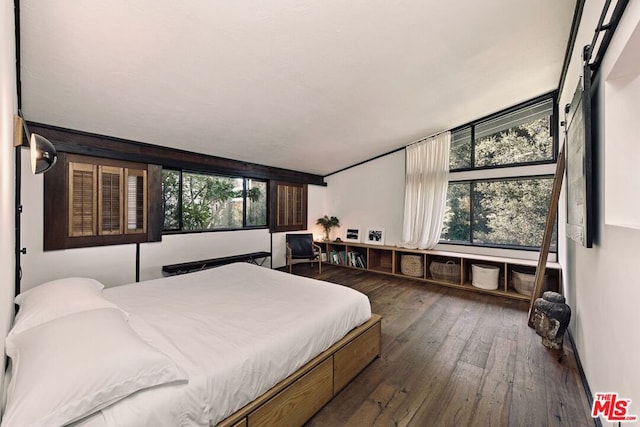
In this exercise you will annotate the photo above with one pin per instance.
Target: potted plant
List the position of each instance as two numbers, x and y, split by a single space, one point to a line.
328 223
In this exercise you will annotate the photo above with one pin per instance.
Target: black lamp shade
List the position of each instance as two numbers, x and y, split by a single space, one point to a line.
43 153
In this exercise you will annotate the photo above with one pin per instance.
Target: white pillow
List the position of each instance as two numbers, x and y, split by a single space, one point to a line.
58 298
73 366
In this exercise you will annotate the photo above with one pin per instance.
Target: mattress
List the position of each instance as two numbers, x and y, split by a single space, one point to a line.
236 330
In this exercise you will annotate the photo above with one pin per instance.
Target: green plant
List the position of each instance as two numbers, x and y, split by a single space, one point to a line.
328 223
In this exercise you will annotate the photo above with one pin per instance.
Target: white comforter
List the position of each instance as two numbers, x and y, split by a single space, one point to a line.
235 330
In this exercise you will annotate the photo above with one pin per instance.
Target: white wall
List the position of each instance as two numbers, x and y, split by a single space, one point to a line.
602 283
112 265
179 248
369 195
8 102
621 174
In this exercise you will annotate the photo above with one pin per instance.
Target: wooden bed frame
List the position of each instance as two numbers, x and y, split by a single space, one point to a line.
298 397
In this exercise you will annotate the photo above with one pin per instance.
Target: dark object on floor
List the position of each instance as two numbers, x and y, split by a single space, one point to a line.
301 247
550 319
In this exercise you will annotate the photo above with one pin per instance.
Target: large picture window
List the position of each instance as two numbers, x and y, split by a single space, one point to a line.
501 176
195 201
520 137
499 212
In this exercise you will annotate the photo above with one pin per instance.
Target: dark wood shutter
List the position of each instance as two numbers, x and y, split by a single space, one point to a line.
110 200
288 207
91 201
82 199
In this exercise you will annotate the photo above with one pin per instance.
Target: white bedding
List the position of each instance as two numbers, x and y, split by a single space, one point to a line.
236 331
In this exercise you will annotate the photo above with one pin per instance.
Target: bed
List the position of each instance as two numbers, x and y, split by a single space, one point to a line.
238 345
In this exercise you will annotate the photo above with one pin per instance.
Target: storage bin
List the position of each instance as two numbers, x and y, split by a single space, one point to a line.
485 276
412 265
523 283
446 271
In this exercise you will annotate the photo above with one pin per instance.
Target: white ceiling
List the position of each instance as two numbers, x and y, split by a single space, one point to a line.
313 86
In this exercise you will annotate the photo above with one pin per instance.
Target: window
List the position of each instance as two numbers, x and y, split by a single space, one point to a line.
195 201
523 136
107 202
501 176
509 212
256 203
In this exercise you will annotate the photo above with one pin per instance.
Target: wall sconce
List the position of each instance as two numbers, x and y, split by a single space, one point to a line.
43 156
43 153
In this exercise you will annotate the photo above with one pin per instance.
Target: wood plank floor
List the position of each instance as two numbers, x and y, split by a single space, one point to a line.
453 358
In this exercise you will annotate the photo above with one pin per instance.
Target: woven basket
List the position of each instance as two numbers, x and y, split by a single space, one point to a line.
523 283
411 265
447 271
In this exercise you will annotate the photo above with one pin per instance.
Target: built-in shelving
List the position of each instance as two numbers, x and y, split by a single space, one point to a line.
388 260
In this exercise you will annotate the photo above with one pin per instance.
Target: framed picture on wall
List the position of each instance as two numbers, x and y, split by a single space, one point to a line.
352 235
579 164
374 236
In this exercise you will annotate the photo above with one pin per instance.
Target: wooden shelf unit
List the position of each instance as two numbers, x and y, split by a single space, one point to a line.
388 260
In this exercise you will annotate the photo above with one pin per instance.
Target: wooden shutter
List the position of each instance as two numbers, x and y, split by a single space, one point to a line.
290 207
82 199
110 194
92 201
136 201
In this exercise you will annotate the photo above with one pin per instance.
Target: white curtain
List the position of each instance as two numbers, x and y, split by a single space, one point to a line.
425 199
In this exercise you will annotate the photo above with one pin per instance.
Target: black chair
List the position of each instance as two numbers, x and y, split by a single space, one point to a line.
301 247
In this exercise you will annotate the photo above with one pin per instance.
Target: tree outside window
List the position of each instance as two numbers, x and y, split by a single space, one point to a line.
501 211
198 201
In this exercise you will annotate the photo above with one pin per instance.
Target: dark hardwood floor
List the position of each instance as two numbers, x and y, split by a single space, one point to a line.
453 358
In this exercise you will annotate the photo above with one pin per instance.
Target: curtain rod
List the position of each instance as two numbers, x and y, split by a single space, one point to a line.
383 154
427 137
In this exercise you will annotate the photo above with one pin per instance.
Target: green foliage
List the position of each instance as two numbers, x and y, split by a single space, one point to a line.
257 203
460 152
170 198
212 202
528 142
457 214
506 211
511 212
328 222
205 202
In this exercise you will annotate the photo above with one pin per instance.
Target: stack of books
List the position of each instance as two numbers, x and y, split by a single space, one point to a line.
352 259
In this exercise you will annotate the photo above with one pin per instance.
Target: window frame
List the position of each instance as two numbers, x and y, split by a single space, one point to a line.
181 230
542 169
553 96
471 243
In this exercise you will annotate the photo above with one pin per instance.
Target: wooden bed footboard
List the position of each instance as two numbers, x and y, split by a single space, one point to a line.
298 397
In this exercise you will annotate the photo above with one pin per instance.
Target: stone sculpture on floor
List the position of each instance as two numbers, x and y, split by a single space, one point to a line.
551 318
